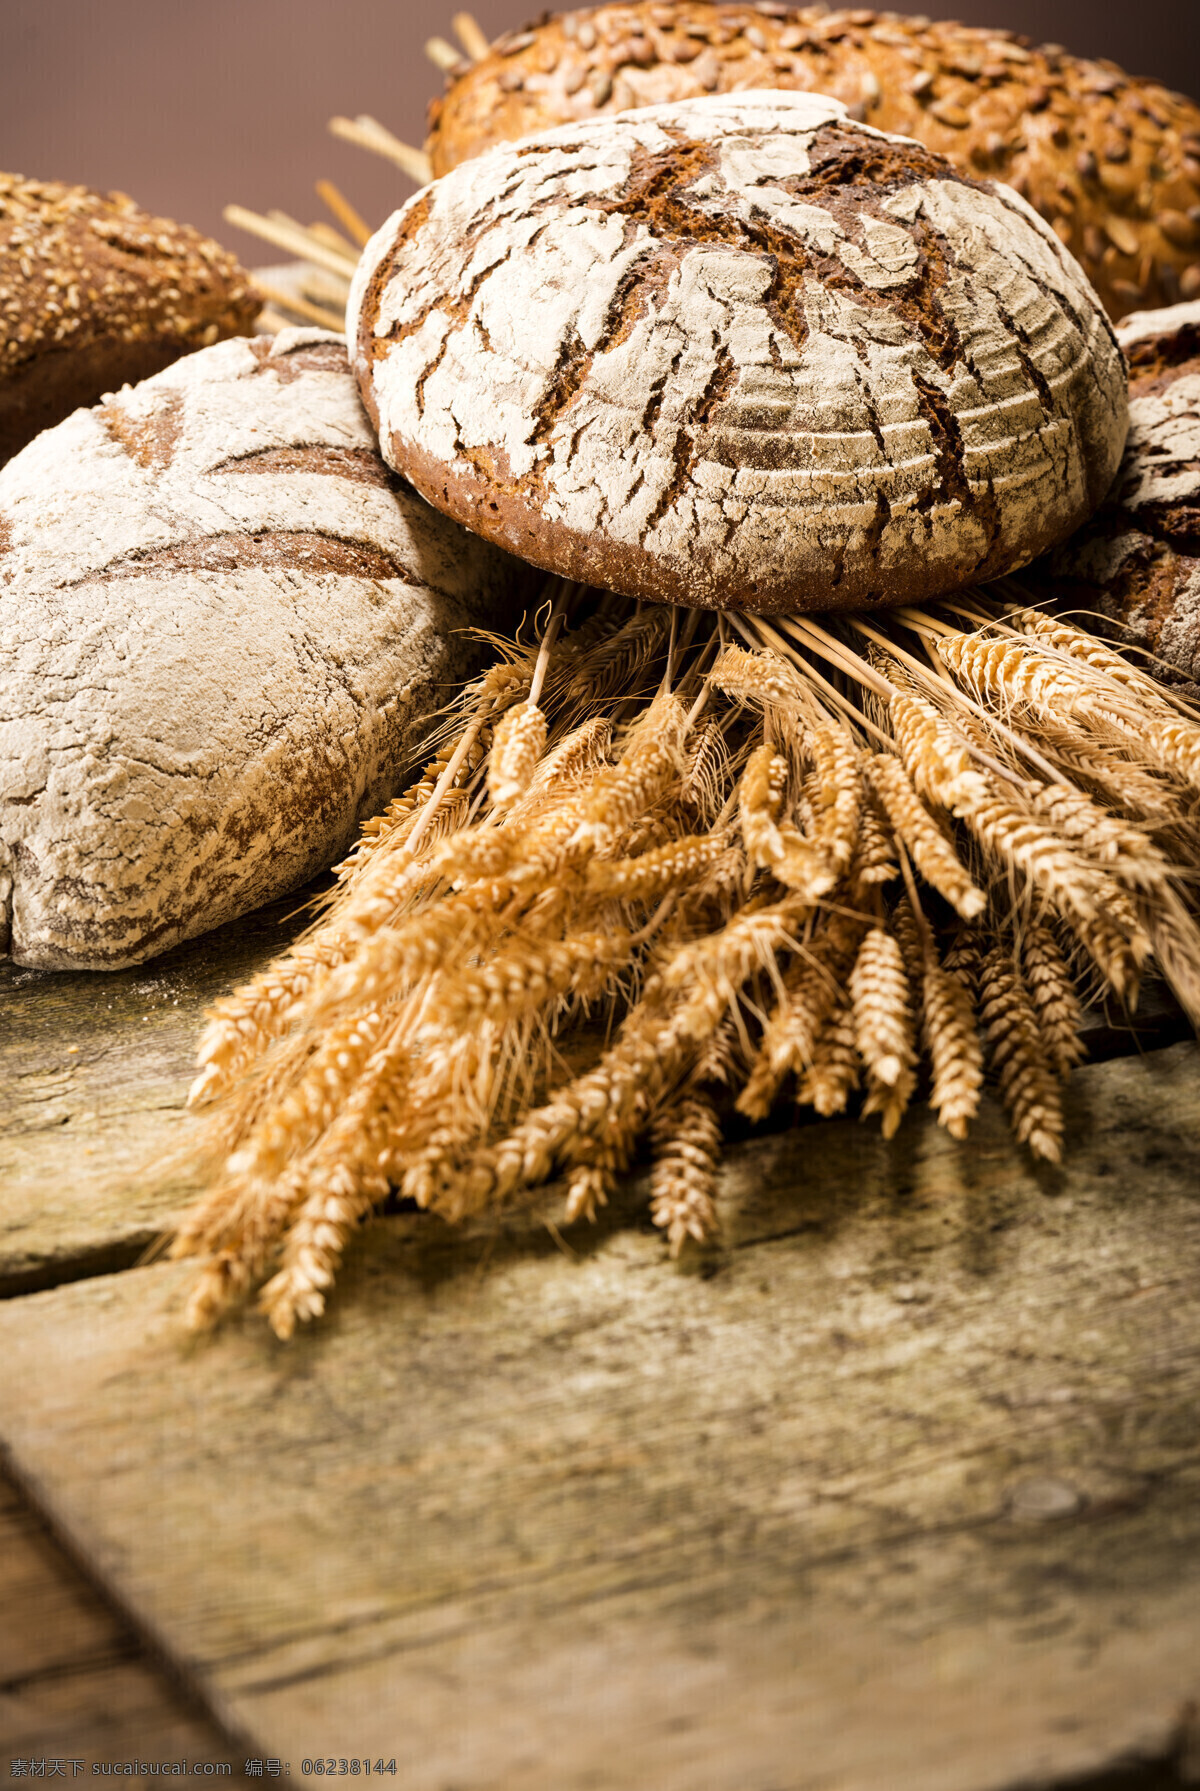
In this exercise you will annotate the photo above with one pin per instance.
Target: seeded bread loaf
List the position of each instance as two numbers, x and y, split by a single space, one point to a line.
223 624
741 352
1111 161
94 292
1138 560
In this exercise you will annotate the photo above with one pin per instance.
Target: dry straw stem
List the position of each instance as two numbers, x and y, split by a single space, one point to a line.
352 222
471 36
285 233
367 133
442 54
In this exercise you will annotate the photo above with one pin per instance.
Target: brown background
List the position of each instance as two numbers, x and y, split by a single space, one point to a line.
188 107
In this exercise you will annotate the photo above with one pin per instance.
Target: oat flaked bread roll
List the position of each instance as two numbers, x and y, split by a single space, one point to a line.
1112 161
95 292
741 352
1138 560
223 625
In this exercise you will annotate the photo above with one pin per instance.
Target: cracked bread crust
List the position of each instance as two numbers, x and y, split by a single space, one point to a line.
95 293
224 623
1111 161
1137 561
739 353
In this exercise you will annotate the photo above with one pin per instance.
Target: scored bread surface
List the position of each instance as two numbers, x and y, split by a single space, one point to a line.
224 627
1138 559
1111 160
742 352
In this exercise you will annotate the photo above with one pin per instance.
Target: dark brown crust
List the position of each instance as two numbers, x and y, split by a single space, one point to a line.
95 292
150 440
305 357
359 465
276 550
1155 362
40 393
1139 564
1111 161
614 566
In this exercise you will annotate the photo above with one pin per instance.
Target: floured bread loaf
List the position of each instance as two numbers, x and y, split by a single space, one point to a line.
223 623
1138 559
740 352
1112 161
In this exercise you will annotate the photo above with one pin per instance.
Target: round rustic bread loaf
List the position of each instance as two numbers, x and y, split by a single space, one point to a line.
95 292
743 353
1138 560
224 624
1113 162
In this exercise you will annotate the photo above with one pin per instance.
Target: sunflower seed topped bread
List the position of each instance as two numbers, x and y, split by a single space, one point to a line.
1113 162
1137 560
95 292
742 352
224 625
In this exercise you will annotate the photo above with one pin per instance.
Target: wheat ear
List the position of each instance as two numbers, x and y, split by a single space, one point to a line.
879 999
686 1145
834 1073
932 852
1014 1045
1049 980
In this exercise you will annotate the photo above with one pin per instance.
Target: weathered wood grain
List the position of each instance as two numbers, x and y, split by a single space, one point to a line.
899 1487
74 1680
93 1074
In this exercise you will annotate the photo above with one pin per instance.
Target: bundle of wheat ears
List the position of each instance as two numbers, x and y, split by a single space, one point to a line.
737 861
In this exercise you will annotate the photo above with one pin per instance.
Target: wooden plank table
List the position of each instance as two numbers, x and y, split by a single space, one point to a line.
899 1486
